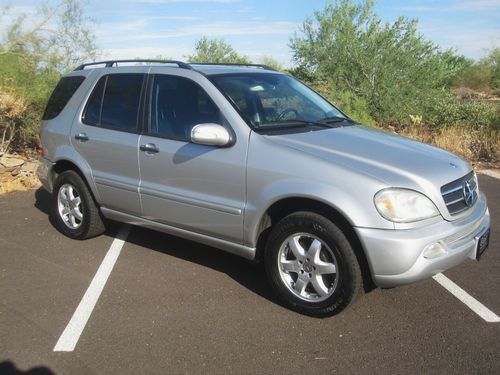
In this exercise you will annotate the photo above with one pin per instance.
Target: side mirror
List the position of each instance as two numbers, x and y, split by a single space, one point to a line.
210 134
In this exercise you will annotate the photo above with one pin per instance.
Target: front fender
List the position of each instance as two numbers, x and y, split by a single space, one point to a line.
358 210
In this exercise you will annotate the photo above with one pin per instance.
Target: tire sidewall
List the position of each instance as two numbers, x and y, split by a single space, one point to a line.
72 178
338 244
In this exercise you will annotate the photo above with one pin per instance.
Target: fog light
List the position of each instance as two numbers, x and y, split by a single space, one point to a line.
434 250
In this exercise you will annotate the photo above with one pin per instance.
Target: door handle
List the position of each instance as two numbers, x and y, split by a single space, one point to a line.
82 137
149 148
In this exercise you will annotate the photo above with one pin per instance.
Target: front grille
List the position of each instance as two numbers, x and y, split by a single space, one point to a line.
455 193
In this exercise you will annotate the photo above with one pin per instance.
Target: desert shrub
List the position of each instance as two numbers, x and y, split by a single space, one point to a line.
389 65
216 51
271 62
12 110
355 107
476 77
474 144
32 58
483 75
449 111
21 78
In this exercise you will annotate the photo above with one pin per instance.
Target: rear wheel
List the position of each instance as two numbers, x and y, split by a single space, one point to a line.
311 265
74 208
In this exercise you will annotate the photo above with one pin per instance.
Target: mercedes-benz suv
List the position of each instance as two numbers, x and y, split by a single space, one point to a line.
251 161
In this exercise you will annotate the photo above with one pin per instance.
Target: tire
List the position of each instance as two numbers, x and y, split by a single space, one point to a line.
311 265
74 209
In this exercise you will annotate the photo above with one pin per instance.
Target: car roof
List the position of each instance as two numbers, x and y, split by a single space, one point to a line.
204 68
214 69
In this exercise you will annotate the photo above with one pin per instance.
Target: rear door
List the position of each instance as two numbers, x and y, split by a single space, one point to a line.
191 186
107 134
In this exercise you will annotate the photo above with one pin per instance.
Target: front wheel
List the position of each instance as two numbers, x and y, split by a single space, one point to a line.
311 265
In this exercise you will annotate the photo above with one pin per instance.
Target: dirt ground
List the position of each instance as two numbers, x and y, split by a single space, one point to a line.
18 173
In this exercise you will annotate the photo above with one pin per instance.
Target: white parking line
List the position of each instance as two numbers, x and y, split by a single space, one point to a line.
74 329
467 299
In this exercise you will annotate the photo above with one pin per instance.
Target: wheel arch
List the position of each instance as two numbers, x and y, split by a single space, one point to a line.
286 206
65 164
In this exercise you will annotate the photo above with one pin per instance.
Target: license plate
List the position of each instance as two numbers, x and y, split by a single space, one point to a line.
482 243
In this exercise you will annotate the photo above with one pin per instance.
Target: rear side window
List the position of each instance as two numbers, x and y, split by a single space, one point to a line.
115 101
63 92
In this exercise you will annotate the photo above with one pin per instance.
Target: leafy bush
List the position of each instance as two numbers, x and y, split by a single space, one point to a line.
271 62
20 78
12 109
355 107
477 77
449 111
32 59
389 65
483 75
216 51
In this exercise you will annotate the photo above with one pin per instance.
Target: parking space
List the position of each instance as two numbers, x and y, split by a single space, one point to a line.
174 306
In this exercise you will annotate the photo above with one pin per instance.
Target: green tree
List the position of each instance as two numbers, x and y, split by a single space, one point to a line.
68 41
271 62
493 60
216 51
483 75
32 57
390 66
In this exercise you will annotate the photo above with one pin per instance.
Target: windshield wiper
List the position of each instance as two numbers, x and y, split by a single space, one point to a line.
332 119
289 123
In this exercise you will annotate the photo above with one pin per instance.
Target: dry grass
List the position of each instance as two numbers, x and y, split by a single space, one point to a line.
9 184
471 144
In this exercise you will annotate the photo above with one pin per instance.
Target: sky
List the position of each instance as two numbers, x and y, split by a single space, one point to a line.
257 28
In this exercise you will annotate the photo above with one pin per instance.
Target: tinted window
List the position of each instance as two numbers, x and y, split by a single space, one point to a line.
61 95
93 110
274 100
114 103
120 105
177 105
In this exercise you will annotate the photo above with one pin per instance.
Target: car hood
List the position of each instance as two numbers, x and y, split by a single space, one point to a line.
393 159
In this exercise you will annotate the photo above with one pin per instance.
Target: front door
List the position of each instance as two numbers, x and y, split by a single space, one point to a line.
191 186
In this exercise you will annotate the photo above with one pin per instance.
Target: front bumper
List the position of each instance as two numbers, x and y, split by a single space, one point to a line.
396 257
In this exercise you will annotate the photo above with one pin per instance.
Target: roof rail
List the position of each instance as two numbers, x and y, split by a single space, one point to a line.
110 63
261 66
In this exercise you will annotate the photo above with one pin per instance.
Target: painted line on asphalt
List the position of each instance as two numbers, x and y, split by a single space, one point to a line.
71 334
467 299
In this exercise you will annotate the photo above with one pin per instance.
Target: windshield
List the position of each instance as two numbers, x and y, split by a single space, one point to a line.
269 101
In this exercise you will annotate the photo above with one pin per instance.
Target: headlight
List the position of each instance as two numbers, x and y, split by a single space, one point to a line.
404 206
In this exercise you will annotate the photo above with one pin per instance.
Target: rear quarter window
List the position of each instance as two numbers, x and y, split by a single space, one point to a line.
63 92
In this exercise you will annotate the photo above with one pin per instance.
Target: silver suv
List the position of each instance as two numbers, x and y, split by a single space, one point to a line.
253 162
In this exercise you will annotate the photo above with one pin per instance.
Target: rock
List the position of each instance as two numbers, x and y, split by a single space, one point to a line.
11 162
29 167
16 171
31 182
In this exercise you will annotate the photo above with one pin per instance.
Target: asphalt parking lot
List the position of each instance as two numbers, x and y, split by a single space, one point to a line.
173 306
